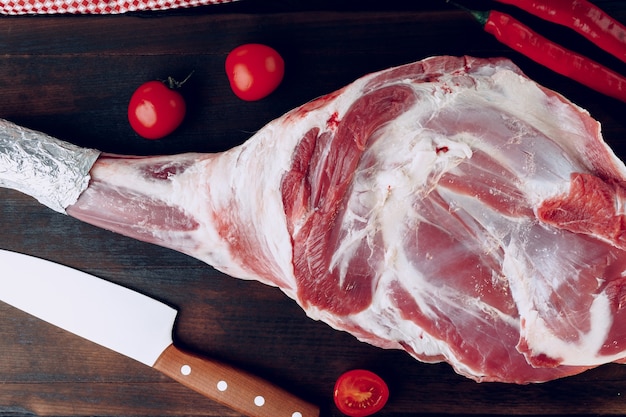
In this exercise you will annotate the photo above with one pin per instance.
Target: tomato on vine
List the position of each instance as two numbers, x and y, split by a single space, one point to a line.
156 109
254 71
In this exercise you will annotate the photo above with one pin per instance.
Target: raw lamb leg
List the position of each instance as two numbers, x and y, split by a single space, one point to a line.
450 207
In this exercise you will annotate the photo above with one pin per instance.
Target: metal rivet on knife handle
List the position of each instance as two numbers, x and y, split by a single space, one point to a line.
241 391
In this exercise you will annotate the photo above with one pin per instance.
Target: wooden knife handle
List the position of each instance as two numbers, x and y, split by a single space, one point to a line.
232 387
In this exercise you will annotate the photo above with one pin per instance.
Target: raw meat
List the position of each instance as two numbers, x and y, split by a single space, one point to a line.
450 207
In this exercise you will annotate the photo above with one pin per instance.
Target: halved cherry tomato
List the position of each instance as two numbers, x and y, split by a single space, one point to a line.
254 71
155 109
360 393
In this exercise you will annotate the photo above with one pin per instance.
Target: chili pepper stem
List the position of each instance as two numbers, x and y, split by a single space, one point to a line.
480 16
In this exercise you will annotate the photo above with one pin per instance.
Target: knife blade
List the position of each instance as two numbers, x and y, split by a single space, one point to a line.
136 326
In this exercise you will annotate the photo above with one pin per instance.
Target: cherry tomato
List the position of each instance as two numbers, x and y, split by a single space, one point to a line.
254 71
155 109
360 393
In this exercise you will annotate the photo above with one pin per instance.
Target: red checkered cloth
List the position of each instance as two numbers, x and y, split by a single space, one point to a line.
16 7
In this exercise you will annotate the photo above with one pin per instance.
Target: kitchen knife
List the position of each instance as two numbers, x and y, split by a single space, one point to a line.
136 326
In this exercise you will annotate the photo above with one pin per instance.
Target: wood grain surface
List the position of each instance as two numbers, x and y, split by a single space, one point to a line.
72 77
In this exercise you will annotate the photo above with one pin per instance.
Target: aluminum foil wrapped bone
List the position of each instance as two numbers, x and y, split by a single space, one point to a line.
52 171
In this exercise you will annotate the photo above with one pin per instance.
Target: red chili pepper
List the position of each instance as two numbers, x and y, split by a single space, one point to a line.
521 38
583 17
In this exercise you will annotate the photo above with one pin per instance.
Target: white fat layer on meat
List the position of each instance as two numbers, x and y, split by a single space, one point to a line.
514 95
584 353
540 338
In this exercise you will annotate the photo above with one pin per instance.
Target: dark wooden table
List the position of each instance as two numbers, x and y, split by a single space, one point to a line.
71 76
